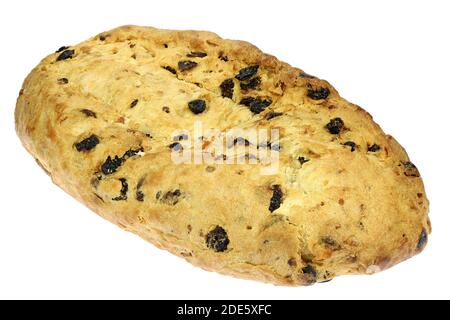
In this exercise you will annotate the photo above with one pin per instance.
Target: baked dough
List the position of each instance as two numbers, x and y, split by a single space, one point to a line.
99 118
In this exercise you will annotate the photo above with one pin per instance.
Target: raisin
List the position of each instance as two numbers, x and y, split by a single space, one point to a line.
103 37
131 153
166 109
165 45
423 239
223 57
176 146
227 88
292 262
140 196
277 198
374 148
306 76
66 54
217 239
318 94
270 115
196 54
197 106
134 103
63 81
251 84
186 65
88 113
302 160
246 101
330 243
410 169
350 144
123 192
87 144
256 105
311 273
111 164
170 197
247 73
170 69
61 49
335 125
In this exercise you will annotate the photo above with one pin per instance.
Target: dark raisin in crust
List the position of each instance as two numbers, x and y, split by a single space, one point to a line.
247 73
61 49
227 88
63 81
302 160
374 148
88 113
170 69
306 76
131 153
311 273
140 196
335 125
170 197
166 109
350 144
423 239
217 239
330 243
134 103
186 65
197 106
256 105
246 101
196 54
223 57
277 198
410 169
270 115
123 192
87 144
111 165
66 54
253 83
318 94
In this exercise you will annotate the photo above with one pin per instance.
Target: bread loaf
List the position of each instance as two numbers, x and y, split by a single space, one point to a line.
307 186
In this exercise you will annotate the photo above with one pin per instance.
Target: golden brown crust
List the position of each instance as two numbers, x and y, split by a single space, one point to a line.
345 209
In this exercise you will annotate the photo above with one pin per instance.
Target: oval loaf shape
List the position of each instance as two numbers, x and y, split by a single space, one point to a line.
107 118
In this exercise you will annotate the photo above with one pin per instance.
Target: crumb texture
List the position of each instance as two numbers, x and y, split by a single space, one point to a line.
99 118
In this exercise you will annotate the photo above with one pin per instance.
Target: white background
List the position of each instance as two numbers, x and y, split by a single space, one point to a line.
390 57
